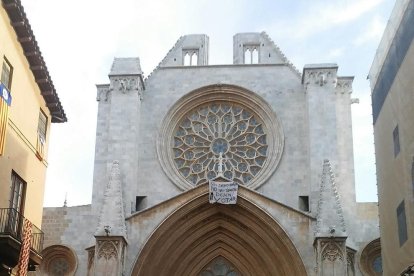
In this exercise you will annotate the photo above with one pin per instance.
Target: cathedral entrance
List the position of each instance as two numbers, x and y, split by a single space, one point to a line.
211 239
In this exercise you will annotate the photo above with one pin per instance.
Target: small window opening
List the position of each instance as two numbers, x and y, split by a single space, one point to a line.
6 74
304 203
187 59
412 175
194 59
140 203
402 223
396 140
190 57
247 57
255 56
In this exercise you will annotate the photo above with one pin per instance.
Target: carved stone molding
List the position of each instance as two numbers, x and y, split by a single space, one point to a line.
91 257
344 85
350 259
102 93
320 76
125 84
107 249
331 251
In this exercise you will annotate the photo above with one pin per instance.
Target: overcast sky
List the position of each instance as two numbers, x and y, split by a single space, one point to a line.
80 38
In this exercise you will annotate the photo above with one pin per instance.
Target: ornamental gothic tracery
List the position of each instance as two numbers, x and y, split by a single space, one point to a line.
220 136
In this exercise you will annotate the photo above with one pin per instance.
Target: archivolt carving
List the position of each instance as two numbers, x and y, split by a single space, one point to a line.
214 120
219 267
261 248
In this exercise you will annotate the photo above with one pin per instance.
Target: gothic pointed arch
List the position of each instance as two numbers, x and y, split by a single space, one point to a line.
198 233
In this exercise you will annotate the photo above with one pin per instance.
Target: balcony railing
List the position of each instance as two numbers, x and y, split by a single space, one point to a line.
12 222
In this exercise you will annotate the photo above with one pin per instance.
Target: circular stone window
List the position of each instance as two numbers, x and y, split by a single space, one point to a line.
220 128
58 260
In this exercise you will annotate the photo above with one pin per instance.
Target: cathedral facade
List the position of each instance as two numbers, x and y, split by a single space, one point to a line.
283 136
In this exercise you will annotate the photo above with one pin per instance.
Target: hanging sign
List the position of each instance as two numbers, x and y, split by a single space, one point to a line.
223 192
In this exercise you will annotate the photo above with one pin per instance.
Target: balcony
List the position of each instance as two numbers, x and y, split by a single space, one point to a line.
11 235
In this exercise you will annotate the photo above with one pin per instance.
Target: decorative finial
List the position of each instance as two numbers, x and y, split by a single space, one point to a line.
65 203
107 229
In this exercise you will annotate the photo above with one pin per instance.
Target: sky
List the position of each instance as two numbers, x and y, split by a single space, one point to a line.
79 39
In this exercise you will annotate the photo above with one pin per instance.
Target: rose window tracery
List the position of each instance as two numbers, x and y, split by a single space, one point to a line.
59 266
220 130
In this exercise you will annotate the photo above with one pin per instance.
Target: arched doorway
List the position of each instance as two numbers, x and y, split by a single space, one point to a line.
196 235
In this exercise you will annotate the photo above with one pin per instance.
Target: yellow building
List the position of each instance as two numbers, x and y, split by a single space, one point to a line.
392 83
28 105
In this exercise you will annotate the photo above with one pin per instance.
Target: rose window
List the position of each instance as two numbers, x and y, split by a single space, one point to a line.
220 136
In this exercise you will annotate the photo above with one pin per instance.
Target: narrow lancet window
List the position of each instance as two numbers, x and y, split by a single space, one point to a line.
247 56
187 59
255 56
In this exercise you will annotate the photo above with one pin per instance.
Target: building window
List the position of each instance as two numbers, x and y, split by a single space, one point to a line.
5 101
251 54
58 260
17 194
17 197
6 73
140 203
220 130
412 175
402 223
377 265
190 57
304 203
41 135
42 126
396 140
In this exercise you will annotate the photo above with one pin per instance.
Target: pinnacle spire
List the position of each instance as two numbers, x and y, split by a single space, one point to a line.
112 218
329 220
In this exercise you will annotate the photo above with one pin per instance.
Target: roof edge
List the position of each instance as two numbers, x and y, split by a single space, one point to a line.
37 65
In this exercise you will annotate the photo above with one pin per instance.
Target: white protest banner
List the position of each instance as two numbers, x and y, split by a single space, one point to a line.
223 192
